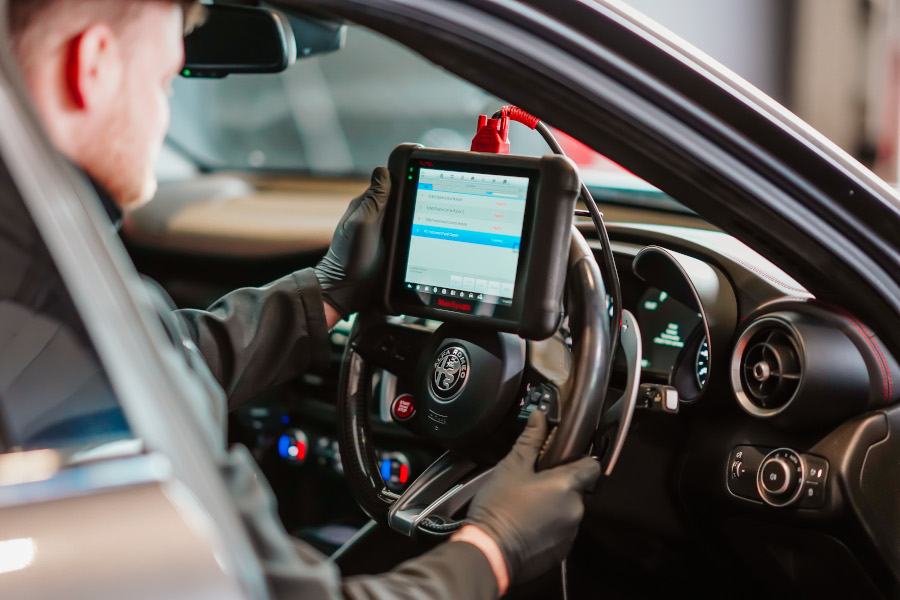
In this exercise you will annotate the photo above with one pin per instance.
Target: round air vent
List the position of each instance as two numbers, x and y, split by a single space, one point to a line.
767 367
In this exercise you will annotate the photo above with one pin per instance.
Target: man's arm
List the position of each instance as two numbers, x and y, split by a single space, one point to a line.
254 338
451 571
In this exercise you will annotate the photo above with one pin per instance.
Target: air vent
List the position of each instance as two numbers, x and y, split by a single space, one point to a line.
767 367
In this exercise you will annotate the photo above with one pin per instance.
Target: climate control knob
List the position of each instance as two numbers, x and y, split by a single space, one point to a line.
780 477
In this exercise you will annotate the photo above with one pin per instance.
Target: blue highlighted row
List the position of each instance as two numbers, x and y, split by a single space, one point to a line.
469 237
506 196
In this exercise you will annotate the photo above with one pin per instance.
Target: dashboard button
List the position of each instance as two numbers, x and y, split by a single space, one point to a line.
813 495
781 477
403 408
816 468
395 470
293 446
743 460
776 476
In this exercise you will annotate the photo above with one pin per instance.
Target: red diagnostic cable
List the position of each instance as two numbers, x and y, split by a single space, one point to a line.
514 113
493 134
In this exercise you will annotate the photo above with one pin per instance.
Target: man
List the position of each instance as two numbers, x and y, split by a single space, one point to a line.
99 73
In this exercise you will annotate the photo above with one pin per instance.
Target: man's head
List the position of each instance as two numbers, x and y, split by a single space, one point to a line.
100 75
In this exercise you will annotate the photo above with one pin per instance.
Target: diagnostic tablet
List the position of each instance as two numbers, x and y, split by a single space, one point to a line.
480 238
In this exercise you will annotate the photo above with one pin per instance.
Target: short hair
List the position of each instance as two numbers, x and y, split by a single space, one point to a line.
23 13
25 16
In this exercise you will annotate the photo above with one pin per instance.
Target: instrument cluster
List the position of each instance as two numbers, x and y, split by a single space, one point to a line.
671 334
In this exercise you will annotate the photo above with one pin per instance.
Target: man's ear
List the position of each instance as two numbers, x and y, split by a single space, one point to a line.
93 68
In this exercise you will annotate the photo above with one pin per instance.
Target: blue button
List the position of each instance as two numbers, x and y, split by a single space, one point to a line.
284 446
386 469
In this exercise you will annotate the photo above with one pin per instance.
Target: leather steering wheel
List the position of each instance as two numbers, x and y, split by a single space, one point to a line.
476 410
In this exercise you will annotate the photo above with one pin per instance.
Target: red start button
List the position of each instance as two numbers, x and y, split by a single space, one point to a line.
403 408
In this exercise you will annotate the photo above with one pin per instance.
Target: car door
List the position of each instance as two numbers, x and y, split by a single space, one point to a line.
109 485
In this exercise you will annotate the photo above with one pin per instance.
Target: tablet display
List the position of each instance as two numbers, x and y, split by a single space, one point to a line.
479 239
465 237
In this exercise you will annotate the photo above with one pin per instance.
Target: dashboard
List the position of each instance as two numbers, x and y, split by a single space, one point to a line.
772 386
754 461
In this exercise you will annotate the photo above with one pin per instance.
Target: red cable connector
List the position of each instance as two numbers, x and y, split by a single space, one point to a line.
490 138
493 134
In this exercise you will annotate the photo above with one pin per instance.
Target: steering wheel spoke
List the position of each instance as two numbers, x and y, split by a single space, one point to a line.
432 501
392 344
547 369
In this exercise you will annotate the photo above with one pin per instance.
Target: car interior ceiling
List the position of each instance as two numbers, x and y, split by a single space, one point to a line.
657 524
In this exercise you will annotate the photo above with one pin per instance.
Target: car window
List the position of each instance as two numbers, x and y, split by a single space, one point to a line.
342 113
53 391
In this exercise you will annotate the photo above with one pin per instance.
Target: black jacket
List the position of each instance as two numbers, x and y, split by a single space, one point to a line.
250 340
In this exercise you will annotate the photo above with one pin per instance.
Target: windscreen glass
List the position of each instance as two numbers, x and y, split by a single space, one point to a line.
343 113
466 236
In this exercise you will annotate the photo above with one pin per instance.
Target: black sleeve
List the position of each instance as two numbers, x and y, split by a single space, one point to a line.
254 338
452 570
296 570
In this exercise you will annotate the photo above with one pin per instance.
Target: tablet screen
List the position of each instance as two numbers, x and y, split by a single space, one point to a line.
465 237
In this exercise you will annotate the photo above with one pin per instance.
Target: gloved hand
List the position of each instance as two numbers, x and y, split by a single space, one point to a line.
349 268
532 516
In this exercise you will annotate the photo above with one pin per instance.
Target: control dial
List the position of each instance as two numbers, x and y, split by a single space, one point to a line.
780 477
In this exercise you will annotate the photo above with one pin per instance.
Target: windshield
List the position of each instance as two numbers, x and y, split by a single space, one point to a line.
341 114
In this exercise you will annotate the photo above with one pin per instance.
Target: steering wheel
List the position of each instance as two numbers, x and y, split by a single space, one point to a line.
472 390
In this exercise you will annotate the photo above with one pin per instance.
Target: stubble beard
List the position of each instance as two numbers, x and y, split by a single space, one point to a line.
130 176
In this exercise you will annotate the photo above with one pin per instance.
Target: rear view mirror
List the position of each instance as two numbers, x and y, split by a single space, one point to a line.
244 39
239 39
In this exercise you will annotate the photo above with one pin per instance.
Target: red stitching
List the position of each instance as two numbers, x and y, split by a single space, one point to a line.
887 380
783 300
768 276
885 368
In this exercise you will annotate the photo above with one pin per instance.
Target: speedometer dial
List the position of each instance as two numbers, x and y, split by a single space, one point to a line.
703 363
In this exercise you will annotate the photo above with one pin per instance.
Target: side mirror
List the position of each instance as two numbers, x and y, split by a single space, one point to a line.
245 39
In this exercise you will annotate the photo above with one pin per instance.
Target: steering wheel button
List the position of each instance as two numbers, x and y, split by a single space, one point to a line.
403 408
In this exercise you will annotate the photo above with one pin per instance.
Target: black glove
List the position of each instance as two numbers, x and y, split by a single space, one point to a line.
533 517
349 268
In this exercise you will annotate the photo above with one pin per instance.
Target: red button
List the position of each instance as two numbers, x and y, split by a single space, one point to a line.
404 474
403 408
